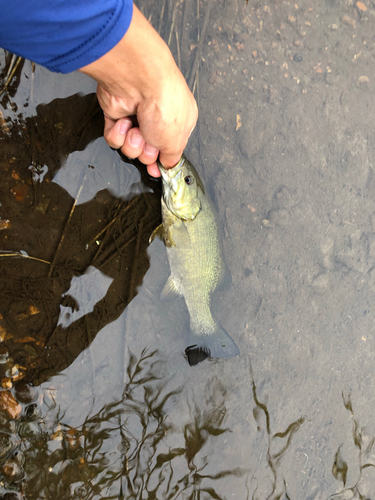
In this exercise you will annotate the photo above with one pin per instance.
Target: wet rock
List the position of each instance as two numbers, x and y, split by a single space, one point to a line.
4 354
15 373
5 444
12 470
12 495
20 191
267 223
13 467
363 79
5 224
6 383
25 393
30 431
349 21
10 405
361 7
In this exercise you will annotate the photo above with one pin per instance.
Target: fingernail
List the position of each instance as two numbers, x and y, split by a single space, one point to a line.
150 150
124 126
135 140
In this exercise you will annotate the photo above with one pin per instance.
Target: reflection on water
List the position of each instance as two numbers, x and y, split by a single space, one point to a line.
102 404
114 453
125 450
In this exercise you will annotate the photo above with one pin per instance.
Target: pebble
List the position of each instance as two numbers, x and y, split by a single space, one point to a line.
4 354
12 495
298 58
6 383
5 224
12 470
361 7
19 191
363 79
267 223
15 373
25 393
349 21
9 404
5 444
30 431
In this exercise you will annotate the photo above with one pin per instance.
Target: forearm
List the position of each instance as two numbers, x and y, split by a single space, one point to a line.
140 59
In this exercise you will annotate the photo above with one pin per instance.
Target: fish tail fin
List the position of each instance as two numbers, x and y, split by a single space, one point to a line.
216 344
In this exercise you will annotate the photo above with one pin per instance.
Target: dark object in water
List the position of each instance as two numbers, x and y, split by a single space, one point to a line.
196 354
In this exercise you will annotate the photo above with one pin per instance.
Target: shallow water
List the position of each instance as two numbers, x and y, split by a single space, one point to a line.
109 406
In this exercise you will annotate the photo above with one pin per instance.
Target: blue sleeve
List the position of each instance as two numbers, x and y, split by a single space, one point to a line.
63 35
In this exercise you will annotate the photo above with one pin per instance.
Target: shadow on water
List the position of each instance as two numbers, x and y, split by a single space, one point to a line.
58 245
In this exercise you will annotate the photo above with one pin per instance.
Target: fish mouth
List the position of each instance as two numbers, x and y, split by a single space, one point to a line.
172 180
169 174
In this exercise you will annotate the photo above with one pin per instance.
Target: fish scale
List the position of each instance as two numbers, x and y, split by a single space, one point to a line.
196 259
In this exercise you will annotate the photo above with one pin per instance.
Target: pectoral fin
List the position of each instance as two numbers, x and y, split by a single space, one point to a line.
170 291
179 234
157 232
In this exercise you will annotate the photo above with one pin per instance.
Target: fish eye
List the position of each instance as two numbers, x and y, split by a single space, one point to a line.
189 180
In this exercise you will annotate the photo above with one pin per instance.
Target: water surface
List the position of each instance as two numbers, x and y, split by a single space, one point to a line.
285 144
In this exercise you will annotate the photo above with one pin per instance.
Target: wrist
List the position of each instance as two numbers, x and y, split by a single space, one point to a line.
141 60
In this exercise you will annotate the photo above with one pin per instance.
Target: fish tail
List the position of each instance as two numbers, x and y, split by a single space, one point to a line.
216 344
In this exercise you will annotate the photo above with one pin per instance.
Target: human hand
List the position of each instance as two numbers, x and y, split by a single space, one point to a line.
138 78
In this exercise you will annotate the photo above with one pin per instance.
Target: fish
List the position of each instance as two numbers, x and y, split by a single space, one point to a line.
190 232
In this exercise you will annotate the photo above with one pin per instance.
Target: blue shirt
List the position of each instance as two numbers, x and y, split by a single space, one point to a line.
63 35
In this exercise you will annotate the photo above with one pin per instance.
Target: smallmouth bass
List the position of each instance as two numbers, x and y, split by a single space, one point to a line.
189 230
